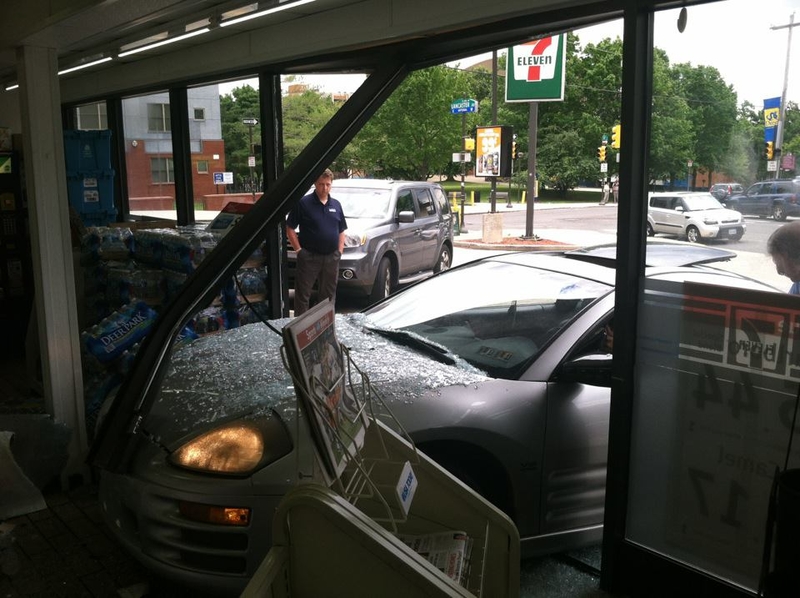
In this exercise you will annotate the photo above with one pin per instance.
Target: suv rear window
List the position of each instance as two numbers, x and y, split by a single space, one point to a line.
664 203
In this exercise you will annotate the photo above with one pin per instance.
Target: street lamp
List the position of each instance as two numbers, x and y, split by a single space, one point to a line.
251 159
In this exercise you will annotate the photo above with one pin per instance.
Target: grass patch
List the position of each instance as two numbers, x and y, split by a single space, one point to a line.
515 193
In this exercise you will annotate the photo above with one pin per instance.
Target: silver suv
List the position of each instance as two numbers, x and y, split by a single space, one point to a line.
695 216
397 232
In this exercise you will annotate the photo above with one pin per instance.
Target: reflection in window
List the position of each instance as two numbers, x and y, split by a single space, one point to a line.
91 116
158 117
202 166
162 170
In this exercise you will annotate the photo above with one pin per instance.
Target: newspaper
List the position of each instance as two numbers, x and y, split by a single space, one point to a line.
449 552
337 419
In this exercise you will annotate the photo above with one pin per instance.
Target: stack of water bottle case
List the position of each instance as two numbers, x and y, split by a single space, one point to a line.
128 275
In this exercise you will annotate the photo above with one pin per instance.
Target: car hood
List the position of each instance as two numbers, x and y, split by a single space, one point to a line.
240 372
357 226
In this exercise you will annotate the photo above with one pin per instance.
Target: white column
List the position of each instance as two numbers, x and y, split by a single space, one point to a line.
54 282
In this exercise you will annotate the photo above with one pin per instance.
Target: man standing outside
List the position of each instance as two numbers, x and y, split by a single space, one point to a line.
784 247
606 190
319 242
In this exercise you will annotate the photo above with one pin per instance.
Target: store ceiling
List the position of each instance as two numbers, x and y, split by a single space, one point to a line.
321 33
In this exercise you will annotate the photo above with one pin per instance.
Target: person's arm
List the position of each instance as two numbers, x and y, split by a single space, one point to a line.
341 242
294 241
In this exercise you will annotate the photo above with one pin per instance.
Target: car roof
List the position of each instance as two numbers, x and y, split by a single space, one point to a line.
376 183
679 193
660 252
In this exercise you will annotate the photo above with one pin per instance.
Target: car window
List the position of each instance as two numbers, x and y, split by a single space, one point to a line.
660 202
362 202
496 327
754 190
405 201
784 187
426 207
441 199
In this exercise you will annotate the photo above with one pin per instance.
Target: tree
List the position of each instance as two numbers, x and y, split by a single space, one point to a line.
242 102
414 134
304 115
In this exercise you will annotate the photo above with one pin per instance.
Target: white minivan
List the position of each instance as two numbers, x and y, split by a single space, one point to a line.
694 215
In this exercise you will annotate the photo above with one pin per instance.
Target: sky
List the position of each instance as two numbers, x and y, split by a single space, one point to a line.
734 36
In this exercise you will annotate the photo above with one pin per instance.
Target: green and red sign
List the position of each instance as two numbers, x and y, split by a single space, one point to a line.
535 70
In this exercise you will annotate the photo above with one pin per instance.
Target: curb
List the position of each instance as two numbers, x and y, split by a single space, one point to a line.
476 244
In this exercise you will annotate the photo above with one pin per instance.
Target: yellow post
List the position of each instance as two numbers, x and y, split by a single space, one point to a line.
524 196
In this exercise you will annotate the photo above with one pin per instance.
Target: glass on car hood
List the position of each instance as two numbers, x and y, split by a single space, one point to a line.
240 372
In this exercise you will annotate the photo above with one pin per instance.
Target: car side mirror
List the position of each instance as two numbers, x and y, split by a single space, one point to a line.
405 216
679 208
593 369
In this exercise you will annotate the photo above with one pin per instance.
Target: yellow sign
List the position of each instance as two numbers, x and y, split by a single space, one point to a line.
771 117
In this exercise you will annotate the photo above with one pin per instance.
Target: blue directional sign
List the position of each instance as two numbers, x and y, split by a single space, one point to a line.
463 106
219 178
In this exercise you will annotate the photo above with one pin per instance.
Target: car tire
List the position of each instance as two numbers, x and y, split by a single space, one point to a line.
445 260
738 237
650 231
382 287
693 234
779 212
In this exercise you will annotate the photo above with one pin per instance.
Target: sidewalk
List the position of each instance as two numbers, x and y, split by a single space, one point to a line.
473 237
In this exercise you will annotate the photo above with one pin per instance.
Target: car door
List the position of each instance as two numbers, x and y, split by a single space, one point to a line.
407 234
429 222
754 200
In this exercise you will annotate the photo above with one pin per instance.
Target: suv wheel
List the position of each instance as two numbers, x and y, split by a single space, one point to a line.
382 287
445 260
692 234
650 231
778 213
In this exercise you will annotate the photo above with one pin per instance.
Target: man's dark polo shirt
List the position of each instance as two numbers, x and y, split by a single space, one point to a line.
320 224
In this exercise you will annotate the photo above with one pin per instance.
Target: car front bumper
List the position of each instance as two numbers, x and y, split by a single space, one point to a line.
724 231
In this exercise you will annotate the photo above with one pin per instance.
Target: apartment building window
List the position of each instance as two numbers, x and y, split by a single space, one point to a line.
199 113
202 166
158 120
91 117
162 170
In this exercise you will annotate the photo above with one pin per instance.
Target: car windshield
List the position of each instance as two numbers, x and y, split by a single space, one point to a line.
494 315
702 202
360 202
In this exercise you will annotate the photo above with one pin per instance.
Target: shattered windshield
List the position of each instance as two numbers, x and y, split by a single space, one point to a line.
497 325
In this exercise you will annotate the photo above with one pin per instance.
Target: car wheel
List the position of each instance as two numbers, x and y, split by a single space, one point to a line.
778 213
650 231
382 287
738 237
445 260
692 234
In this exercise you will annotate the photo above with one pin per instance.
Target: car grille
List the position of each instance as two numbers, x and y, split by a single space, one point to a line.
731 221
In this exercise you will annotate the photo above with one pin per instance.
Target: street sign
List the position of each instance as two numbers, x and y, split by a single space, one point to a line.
772 165
462 157
690 163
251 161
252 122
219 178
463 106
603 166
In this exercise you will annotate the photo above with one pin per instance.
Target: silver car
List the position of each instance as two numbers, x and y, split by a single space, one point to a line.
499 370
693 215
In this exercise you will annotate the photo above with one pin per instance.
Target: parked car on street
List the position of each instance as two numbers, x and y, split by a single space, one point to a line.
695 216
398 232
723 190
778 198
499 369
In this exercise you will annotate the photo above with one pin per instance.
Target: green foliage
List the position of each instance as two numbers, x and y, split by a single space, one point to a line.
414 134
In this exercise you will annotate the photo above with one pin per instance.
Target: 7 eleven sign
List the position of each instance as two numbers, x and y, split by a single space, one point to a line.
535 70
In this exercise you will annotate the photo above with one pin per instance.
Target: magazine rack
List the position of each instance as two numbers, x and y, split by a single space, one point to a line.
347 535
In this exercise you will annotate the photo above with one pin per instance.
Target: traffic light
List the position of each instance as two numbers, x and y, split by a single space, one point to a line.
601 153
770 147
616 136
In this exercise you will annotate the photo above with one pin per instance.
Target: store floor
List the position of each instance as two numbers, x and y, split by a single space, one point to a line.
66 551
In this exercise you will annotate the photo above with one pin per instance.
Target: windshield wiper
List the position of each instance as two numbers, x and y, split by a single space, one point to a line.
409 339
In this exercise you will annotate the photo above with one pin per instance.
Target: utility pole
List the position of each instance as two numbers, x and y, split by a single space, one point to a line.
782 121
494 123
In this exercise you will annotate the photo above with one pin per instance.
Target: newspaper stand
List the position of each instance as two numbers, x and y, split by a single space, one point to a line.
342 534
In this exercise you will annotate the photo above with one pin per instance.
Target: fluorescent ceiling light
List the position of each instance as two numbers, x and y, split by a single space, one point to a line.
12 86
164 42
84 66
263 13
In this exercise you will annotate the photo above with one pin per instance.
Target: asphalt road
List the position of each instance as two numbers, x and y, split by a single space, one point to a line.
752 258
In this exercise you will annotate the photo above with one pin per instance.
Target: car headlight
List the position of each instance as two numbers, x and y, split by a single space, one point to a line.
354 240
710 221
235 448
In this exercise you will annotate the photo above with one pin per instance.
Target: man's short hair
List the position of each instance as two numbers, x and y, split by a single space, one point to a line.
785 241
326 174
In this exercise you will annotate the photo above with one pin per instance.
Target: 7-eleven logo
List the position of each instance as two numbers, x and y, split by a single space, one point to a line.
536 60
